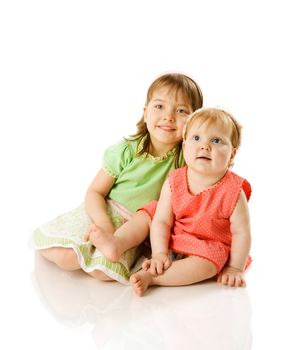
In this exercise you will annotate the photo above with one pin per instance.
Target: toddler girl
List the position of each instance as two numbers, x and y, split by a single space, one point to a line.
201 225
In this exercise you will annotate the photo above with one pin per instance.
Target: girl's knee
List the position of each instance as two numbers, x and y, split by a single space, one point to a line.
99 275
65 258
69 260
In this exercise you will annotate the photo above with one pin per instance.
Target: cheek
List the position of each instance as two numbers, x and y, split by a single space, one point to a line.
188 152
182 123
224 155
148 119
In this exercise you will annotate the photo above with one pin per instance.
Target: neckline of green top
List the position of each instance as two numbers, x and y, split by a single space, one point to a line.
156 158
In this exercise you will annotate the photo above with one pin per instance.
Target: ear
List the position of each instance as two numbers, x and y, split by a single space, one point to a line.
233 153
145 113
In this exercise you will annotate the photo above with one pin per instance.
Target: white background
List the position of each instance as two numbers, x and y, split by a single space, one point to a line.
73 80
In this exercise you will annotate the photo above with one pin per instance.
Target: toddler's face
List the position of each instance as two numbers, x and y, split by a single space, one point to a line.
208 149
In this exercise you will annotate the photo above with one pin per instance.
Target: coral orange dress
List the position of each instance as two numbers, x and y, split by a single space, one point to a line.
202 222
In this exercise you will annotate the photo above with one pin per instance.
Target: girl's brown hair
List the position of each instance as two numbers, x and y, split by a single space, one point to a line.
178 83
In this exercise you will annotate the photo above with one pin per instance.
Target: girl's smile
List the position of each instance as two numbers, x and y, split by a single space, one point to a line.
166 128
165 116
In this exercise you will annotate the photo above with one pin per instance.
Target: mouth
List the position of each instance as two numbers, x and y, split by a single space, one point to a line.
204 158
166 128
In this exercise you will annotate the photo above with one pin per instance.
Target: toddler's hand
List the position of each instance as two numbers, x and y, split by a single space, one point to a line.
157 264
232 277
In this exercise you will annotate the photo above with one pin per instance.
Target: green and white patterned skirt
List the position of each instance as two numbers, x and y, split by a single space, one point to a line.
67 231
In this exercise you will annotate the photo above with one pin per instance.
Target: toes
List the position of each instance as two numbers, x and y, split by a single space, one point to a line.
133 279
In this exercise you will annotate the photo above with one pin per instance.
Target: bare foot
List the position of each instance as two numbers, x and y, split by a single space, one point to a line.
140 282
107 243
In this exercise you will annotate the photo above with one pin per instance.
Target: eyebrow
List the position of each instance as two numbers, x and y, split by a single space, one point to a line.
158 100
161 100
215 136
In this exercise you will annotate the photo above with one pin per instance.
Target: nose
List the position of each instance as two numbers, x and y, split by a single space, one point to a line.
205 146
169 116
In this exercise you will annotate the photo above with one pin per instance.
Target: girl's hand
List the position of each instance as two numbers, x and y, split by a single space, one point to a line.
232 277
157 264
86 237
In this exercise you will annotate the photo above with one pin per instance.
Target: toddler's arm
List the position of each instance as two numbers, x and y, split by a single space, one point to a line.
95 203
233 274
160 234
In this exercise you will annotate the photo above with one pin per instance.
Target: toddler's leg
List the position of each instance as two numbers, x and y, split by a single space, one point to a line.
129 235
182 272
65 258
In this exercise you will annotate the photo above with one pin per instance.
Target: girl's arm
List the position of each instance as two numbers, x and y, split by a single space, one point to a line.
95 203
233 274
160 233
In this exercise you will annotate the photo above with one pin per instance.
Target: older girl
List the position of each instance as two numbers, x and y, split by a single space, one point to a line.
132 174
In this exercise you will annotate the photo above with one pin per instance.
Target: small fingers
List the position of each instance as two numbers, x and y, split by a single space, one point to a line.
86 237
240 282
153 269
231 280
146 265
156 268
167 264
223 278
237 281
160 267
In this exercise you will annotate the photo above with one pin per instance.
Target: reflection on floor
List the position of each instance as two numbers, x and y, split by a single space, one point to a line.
202 316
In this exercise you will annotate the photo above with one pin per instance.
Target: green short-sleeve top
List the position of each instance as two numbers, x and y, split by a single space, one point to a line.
138 178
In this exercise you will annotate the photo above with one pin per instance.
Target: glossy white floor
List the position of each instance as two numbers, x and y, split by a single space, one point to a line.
204 316
44 307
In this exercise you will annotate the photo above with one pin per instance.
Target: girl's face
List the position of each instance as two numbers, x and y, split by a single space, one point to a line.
165 116
208 149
